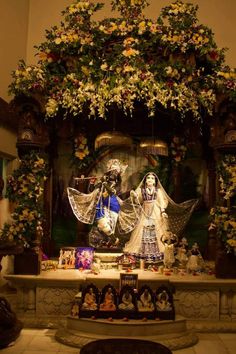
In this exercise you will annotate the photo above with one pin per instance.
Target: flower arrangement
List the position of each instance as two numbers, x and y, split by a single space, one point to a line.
227 176
86 64
223 219
25 190
81 147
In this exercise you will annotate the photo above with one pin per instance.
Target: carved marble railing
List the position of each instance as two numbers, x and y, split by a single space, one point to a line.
198 299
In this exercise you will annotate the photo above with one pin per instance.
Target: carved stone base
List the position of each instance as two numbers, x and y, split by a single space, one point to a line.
172 334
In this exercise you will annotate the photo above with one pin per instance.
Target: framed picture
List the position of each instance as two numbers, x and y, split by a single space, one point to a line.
84 257
129 279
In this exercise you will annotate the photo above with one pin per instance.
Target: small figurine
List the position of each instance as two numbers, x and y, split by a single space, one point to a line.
163 303
109 302
169 240
126 301
89 301
145 302
195 260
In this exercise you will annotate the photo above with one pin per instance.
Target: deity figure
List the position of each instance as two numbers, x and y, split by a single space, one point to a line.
159 215
169 240
90 302
145 302
195 259
102 207
182 255
126 301
109 301
162 302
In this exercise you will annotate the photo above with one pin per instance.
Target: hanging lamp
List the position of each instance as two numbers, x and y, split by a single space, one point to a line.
113 138
152 146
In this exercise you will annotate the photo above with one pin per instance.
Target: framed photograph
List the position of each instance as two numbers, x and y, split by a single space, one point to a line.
129 279
84 257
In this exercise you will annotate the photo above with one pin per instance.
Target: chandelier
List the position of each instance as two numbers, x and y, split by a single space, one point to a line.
113 138
152 146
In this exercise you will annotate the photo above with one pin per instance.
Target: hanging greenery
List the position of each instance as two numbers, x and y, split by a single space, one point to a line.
223 218
87 65
25 189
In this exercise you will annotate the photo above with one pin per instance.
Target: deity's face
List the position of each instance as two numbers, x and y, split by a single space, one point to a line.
150 180
116 166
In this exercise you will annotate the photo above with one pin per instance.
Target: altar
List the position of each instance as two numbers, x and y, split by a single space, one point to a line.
207 303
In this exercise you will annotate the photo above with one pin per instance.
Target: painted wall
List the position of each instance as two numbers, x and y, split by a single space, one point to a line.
217 14
23 24
13 39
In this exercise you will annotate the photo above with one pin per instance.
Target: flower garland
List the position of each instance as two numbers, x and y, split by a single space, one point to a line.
81 147
25 190
223 219
137 60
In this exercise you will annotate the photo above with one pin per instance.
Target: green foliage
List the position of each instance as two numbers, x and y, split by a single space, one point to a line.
91 65
25 189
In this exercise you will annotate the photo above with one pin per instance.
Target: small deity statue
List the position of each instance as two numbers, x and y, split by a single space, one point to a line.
163 303
75 309
109 302
182 256
145 301
126 302
195 260
169 240
90 302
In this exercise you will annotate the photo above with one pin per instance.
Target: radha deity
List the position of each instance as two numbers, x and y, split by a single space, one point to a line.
159 215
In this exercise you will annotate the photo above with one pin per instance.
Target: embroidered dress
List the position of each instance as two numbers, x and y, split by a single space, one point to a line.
159 215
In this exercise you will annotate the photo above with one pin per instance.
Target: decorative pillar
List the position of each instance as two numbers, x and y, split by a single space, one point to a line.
233 311
20 299
31 305
224 305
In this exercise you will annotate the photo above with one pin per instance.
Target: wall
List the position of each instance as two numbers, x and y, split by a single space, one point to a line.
217 14
13 39
23 24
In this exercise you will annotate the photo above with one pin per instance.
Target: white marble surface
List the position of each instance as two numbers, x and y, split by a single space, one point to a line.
36 341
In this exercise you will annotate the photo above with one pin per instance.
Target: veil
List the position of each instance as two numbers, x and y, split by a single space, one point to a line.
83 205
178 214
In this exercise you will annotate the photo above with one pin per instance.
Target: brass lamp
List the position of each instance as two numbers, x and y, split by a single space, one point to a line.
113 138
152 146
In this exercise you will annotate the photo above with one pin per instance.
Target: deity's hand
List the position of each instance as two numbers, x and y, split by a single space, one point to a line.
133 194
164 215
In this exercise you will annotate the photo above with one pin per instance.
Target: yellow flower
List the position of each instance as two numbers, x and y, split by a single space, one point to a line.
58 40
104 66
85 70
130 52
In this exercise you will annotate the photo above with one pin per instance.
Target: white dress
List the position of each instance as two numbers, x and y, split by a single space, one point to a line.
145 241
145 238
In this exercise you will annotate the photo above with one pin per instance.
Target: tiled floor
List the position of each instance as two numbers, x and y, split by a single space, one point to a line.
38 341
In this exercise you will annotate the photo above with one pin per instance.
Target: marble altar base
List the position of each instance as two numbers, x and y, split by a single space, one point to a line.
45 300
172 334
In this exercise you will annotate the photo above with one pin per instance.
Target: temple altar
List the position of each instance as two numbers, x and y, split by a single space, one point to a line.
207 303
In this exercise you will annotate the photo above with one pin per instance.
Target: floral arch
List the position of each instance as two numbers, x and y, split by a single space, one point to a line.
169 69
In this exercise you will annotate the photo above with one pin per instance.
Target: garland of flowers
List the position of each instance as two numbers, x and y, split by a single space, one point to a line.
25 190
88 65
223 219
